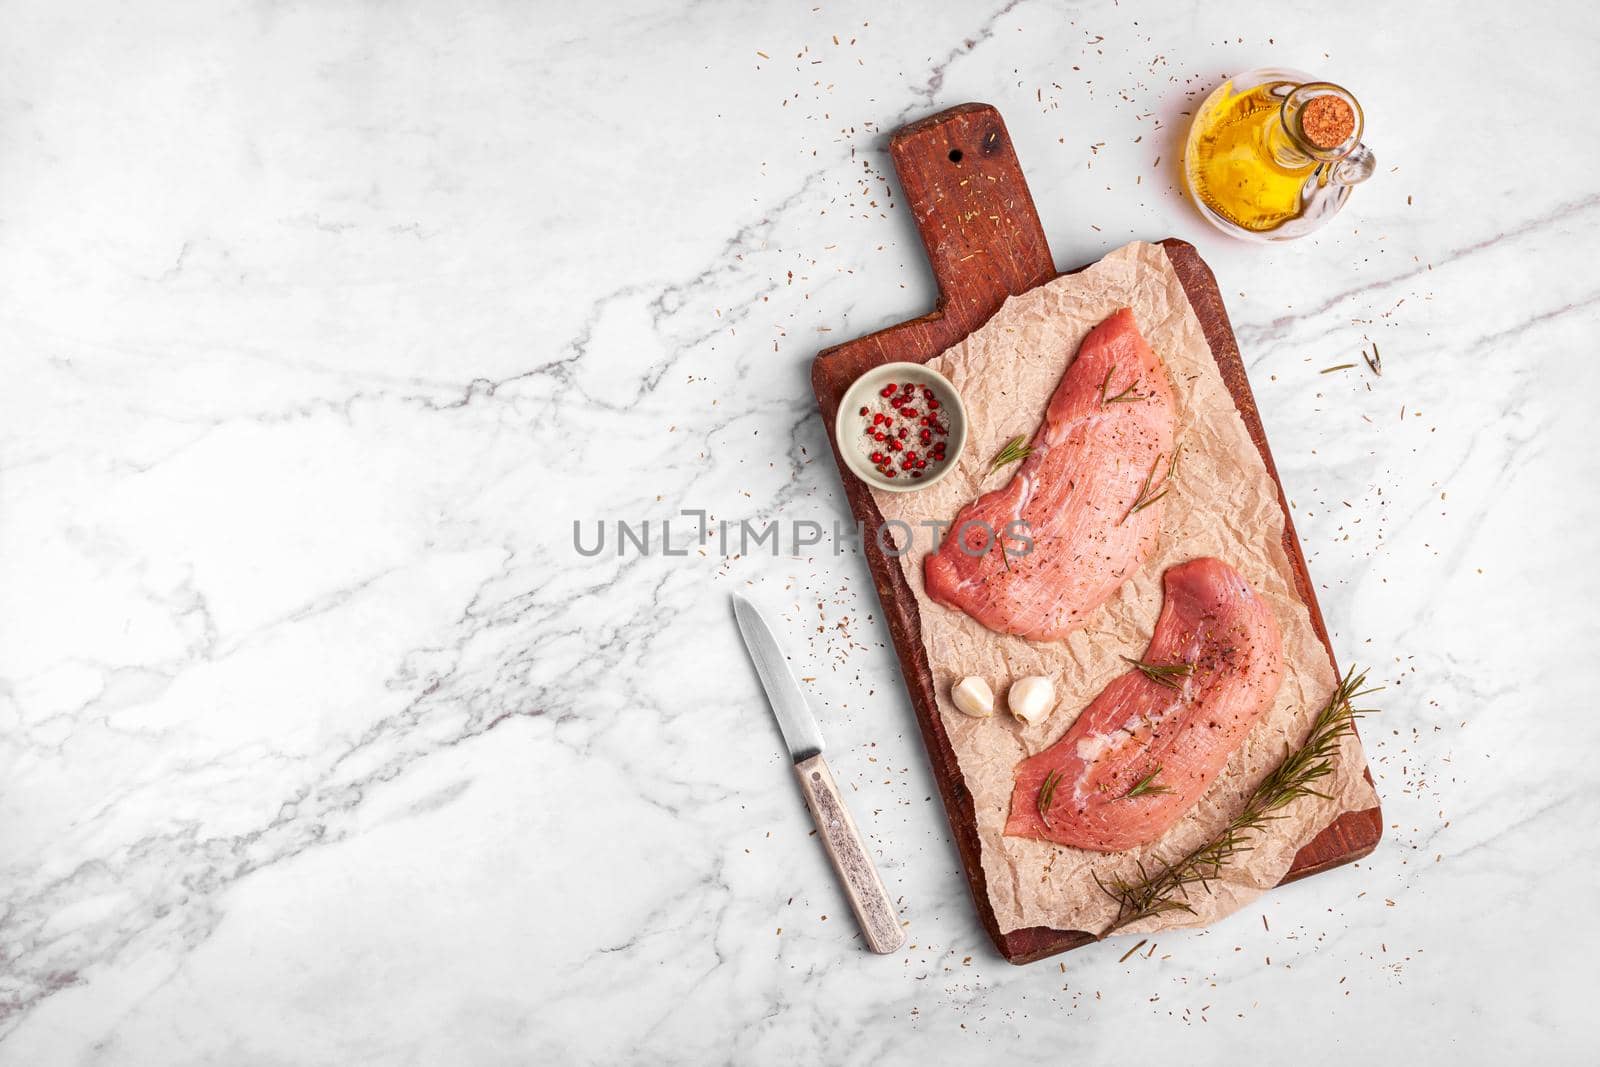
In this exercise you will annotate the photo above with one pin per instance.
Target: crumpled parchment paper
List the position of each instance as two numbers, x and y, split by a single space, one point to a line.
1224 504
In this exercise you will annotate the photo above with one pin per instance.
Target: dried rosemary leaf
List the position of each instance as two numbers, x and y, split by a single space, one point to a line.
1148 493
1146 786
1127 396
1047 792
1166 674
1014 450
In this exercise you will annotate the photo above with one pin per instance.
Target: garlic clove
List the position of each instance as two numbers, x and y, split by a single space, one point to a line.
1031 699
972 696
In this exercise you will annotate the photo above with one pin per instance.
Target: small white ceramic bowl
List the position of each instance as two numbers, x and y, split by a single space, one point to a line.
863 392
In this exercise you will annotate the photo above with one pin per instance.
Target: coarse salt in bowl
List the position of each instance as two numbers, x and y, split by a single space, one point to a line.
903 418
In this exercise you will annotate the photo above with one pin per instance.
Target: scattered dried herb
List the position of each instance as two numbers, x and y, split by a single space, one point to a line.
1375 361
1330 370
1167 890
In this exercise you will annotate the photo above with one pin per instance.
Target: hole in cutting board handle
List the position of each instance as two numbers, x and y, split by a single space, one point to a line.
955 155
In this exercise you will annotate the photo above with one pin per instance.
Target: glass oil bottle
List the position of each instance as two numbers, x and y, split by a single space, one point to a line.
1272 154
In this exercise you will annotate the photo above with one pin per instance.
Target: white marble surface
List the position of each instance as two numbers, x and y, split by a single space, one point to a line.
322 322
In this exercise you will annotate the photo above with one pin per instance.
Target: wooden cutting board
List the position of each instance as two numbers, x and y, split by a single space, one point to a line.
966 191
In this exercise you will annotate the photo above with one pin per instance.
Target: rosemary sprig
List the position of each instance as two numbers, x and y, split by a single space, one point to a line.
1014 449
1127 396
1047 792
1146 786
1166 674
1147 492
1167 890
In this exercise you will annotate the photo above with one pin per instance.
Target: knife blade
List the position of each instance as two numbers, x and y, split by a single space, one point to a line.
800 730
847 850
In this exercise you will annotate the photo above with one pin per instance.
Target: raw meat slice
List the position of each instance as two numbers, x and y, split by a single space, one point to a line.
1090 494
1146 749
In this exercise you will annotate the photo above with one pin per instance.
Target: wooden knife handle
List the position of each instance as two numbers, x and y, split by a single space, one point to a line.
848 852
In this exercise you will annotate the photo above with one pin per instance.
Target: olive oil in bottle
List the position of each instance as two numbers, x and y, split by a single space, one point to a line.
1232 170
1272 154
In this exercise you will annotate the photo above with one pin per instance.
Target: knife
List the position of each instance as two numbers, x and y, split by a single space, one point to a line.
846 850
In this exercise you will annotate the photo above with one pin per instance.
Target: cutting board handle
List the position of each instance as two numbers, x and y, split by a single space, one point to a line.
966 191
